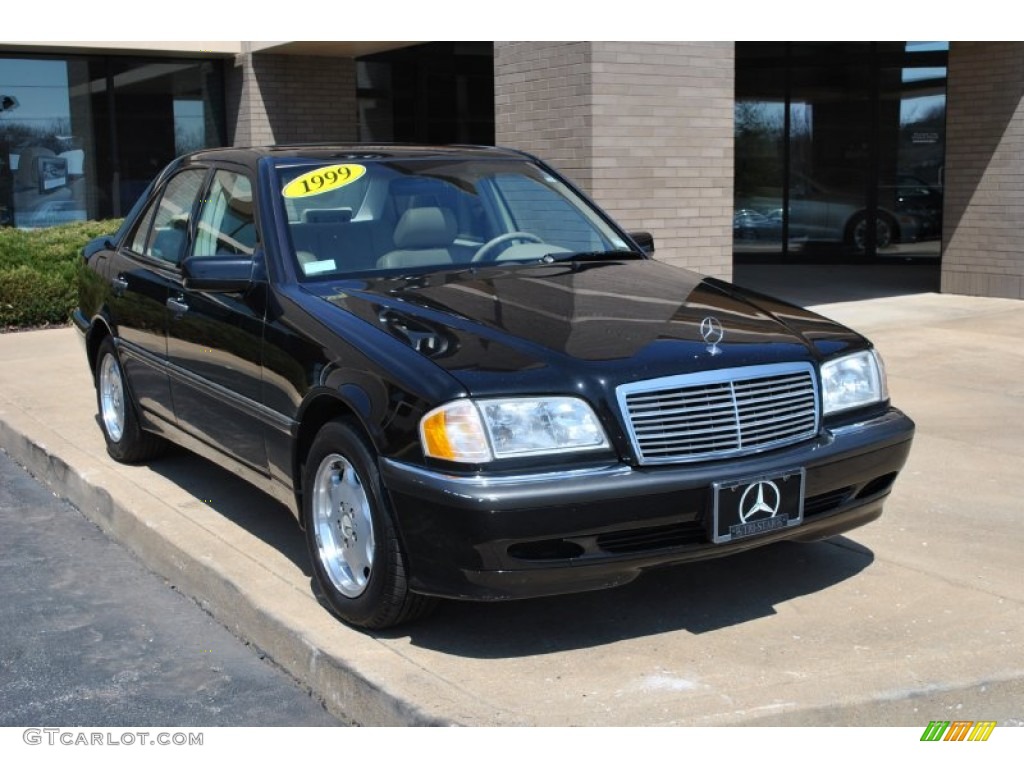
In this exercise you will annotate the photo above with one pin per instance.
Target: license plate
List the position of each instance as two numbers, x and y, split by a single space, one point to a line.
756 506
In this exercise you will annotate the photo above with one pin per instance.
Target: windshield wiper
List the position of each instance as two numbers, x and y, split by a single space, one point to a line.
551 258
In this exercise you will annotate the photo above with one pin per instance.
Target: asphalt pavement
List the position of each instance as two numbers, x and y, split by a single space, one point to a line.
915 617
90 637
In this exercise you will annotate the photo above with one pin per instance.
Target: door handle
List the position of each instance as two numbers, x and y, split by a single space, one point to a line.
120 285
177 305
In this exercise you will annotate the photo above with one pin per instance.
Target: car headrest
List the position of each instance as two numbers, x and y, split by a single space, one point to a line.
430 227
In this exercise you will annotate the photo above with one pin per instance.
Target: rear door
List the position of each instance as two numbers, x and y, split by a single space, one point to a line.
141 274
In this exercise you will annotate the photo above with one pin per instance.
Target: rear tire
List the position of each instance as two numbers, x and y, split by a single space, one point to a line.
126 441
357 557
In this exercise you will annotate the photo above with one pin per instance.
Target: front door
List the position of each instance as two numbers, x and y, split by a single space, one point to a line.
214 340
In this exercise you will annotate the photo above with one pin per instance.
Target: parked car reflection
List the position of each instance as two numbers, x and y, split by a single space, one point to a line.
909 211
748 224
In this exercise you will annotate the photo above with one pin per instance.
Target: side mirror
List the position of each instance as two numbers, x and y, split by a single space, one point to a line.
645 240
218 274
97 244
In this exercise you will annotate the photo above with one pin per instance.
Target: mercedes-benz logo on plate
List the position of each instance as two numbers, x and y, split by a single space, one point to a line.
712 332
760 501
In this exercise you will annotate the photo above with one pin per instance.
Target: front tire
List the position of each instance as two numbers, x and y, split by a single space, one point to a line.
356 554
126 441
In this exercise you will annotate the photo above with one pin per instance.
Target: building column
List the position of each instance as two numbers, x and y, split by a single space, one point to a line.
283 99
645 128
982 241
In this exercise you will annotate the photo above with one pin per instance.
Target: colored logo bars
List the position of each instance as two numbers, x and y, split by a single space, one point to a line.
958 730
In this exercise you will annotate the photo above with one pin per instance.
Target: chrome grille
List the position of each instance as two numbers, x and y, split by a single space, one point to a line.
716 414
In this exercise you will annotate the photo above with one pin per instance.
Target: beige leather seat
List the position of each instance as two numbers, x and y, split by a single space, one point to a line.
422 236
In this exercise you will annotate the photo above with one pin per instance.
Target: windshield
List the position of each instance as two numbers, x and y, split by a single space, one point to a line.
363 217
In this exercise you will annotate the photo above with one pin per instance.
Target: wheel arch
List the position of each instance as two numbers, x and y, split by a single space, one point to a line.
320 409
99 329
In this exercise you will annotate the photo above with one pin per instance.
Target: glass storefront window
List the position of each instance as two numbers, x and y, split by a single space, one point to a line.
760 134
44 141
376 110
82 136
434 93
162 108
761 126
912 147
839 150
830 145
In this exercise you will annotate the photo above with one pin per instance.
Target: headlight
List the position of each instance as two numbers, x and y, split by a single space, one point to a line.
481 430
853 381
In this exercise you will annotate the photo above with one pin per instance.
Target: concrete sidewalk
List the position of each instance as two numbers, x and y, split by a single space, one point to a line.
912 617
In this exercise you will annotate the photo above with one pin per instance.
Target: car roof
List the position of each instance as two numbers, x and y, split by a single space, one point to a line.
353 151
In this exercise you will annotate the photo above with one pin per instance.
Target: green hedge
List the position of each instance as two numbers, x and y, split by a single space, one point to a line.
39 272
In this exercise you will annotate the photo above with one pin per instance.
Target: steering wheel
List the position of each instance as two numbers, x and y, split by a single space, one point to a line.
494 242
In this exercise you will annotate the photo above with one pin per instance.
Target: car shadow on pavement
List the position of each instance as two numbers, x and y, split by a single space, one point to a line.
696 597
238 501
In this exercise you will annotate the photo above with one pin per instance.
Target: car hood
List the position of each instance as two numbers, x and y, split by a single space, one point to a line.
543 326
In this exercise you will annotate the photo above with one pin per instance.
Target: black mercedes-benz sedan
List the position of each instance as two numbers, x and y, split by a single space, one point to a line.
466 380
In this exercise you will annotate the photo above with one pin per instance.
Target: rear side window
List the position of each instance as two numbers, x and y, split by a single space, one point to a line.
165 238
141 234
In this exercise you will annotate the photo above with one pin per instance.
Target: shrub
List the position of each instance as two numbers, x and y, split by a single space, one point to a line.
39 272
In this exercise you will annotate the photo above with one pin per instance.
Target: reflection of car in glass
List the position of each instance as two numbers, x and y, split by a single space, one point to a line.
47 188
908 211
52 212
754 225
914 197
466 381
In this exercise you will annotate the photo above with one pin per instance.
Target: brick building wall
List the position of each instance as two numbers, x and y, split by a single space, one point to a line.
645 128
282 99
983 246
542 103
663 146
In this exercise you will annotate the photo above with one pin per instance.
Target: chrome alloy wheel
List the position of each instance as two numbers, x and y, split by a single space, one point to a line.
343 525
112 398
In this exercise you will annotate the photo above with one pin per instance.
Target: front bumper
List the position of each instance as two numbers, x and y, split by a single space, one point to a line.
488 537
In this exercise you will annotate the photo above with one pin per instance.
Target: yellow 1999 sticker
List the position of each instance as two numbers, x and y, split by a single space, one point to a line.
323 180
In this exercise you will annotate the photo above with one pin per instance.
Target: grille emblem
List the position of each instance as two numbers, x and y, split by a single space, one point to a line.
712 332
